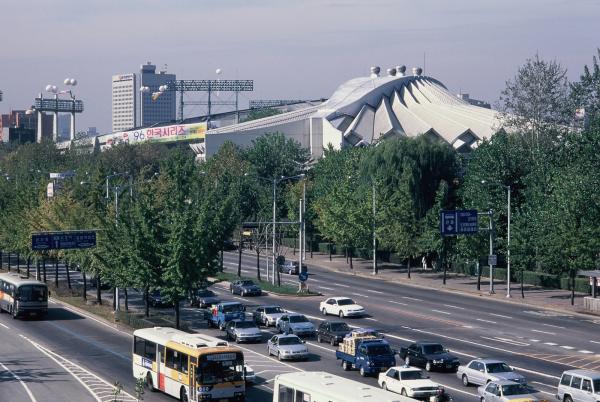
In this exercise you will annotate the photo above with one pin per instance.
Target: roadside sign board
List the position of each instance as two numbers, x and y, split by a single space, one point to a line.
62 175
493 260
76 239
459 222
303 276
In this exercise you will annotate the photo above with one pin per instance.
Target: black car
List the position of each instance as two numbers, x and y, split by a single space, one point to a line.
155 299
245 287
430 355
203 298
332 332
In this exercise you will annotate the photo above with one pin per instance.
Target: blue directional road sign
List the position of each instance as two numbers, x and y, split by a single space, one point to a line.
63 240
303 276
458 222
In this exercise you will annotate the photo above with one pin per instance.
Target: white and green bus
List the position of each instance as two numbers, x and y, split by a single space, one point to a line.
319 386
21 296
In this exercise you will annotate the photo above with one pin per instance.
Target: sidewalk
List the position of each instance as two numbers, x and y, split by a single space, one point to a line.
557 300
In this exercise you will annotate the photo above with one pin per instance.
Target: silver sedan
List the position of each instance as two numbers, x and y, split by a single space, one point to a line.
287 347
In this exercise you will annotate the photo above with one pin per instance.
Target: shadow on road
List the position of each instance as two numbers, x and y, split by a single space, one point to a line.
60 314
23 369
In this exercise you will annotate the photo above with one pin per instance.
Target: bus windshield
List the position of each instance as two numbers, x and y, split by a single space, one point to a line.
29 293
213 370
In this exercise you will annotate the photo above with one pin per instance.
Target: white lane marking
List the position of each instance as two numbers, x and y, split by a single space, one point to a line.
550 343
5 326
534 340
374 291
504 340
567 347
484 346
325 287
595 342
371 319
20 381
412 298
457 390
468 326
340 285
501 316
488 321
543 332
358 294
452 306
541 383
399 338
316 345
395 302
270 358
441 312
553 326
241 298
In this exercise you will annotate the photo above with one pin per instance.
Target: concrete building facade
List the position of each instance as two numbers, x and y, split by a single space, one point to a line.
156 109
124 102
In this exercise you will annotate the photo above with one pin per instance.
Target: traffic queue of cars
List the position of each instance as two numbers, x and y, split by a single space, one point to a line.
367 351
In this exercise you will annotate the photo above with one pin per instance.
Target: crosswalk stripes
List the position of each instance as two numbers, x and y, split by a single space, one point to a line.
582 361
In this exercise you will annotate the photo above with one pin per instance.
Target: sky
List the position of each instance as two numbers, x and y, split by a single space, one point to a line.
292 49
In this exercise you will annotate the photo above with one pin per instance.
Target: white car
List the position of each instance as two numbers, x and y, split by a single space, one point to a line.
342 307
409 381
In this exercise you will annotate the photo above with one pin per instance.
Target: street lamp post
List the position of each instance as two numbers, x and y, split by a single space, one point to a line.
375 271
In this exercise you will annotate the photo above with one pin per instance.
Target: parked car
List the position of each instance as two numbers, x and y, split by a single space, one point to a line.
342 307
287 347
243 331
579 386
268 315
409 381
203 298
222 313
245 287
505 391
332 332
156 299
291 267
429 355
482 371
296 324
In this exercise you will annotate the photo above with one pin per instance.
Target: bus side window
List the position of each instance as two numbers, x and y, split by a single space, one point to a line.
184 363
285 394
150 350
302 396
169 358
138 346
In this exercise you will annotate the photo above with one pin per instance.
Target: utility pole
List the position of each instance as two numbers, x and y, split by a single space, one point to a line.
491 263
274 217
374 236
508 247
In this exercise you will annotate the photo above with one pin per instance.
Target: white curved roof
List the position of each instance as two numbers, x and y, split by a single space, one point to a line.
366 109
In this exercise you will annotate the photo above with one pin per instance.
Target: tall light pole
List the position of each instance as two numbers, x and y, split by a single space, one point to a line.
374 228
53 89
508 196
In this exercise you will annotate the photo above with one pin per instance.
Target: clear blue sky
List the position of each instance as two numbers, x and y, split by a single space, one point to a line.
291 48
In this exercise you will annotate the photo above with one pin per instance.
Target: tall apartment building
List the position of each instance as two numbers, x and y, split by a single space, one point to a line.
162 108
124 102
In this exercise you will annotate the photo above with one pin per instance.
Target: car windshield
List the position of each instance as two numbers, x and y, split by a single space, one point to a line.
433 349
28 293
247 283
597 386
298 318
273 310
292 340
412 375
205 293
220 371
245 324
345 302
498 368
378 350
340 326
232 308
513 389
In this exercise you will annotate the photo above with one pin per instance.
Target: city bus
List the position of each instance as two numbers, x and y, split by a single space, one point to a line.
191 367
319 386
20 296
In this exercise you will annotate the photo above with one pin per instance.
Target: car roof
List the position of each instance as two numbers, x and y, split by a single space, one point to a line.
427 343
404 368
268 305
488 361
229 303
287 336
587 373
339 298
504 382
333 322
295 315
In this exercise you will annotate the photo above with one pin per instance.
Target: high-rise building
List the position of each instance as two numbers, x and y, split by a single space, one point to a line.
19 126
156 108
124 102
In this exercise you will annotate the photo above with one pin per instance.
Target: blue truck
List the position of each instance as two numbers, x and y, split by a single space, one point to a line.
369 355
222 313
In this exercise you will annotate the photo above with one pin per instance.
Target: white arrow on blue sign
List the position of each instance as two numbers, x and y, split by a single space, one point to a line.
458 222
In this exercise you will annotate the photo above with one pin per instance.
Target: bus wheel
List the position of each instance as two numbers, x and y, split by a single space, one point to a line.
13 312
183 395
149 383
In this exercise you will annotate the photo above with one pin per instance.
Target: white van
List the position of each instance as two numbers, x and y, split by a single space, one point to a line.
579 386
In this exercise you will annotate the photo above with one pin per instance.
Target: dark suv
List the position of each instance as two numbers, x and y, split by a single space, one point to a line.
245 287
332 332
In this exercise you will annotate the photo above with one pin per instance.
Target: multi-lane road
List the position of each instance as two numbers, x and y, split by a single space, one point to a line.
71 353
